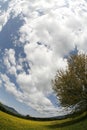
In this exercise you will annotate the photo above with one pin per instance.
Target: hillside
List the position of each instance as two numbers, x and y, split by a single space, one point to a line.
8 122
7 109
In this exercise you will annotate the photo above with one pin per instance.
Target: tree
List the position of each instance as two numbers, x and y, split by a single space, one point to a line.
71 85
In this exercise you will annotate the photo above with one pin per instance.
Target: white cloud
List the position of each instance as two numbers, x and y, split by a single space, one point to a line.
10 61
4 16
10 86
51 30
0 83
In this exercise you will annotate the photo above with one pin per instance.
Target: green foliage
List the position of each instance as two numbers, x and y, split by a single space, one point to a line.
71 85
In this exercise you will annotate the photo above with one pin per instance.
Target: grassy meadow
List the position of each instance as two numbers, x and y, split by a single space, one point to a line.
9 122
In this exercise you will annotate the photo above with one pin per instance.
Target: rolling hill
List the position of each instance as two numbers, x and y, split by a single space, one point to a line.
9 122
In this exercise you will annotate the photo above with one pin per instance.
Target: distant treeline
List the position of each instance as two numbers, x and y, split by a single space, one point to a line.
75 114
28 117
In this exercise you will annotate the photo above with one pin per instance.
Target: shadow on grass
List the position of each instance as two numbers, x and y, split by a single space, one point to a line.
68 123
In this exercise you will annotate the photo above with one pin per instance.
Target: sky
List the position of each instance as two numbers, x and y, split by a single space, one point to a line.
35 37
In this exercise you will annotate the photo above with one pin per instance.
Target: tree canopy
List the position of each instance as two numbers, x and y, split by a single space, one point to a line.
71 85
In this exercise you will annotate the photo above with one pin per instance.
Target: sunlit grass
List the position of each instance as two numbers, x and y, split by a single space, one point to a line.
8 122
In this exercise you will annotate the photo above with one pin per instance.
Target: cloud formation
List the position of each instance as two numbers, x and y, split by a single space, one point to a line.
50 31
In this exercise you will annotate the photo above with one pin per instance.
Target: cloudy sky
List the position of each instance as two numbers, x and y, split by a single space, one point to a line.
35 36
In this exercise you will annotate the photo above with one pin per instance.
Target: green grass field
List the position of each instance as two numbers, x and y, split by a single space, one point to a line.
9 122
